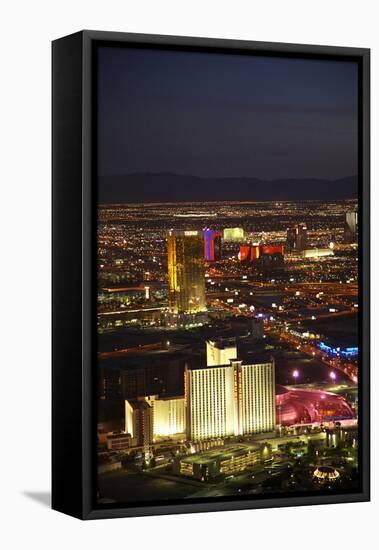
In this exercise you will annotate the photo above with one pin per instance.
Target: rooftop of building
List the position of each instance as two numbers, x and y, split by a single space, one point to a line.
220 454
261 358
222 343
118 435
186 233
139 404
166 397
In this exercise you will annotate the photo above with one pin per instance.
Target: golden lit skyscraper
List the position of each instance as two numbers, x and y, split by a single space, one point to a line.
186 274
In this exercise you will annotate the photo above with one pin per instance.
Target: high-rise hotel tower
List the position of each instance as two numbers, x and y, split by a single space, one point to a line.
351 227
186 273
231 399
210 403
255 396
212 245
296 238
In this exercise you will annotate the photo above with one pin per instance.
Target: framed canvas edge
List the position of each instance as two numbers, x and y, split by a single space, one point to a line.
88 475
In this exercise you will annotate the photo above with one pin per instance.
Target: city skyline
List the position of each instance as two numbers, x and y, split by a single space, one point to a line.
227 362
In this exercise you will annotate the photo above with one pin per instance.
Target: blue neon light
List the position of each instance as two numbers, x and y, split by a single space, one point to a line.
347 352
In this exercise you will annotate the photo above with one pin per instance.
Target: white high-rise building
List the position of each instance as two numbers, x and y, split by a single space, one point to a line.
210 403
256 397
220 353
229 399
351 227
168 416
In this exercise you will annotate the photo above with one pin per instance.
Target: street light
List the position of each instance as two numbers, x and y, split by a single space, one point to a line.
332 375
296 374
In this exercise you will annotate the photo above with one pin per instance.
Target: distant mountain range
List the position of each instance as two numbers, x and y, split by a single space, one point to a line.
168 187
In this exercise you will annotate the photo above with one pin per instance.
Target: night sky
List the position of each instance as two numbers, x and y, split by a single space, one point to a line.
225 115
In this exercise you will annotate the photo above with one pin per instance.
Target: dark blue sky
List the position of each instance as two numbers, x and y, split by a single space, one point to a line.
226 115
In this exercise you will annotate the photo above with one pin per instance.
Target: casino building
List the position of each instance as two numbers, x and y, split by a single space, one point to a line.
266 257
229 399
234 234
212 245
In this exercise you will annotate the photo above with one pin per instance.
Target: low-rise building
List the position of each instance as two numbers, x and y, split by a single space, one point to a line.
119 441
222 461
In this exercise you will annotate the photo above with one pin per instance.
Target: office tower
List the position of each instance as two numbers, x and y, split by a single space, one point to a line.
220 352
153 375
109 382
256 397
301 237
229 400
110 402
139 422
234 234
296 238
168 416
256 328
186 276
351 227
212 245
291 239
269 263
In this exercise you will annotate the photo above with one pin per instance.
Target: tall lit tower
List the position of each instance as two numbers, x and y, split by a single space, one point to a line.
212 245
256 397
297 238
210 403
186 274
139 422
351 227
229 399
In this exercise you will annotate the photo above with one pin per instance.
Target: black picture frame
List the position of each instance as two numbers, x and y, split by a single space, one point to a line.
73 270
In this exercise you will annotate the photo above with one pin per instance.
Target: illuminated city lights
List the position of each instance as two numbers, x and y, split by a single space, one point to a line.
193 401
